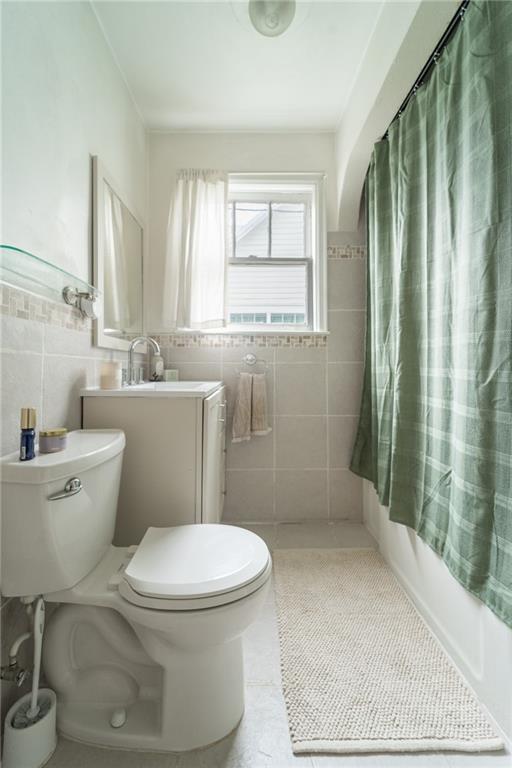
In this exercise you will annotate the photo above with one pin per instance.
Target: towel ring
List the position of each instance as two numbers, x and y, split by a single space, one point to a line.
251 360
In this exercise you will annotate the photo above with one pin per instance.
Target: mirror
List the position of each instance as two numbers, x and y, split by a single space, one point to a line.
117 264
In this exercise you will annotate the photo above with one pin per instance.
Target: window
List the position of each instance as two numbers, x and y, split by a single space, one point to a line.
276 252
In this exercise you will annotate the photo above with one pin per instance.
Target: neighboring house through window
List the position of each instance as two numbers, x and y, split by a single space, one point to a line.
277 262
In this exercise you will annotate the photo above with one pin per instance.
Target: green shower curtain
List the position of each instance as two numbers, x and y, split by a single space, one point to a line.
435 431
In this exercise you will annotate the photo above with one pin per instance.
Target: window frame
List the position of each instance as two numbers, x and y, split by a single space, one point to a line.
308 188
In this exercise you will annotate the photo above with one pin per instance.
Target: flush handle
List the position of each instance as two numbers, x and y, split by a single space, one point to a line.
71 488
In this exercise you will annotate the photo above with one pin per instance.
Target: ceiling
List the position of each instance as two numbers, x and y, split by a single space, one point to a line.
201 65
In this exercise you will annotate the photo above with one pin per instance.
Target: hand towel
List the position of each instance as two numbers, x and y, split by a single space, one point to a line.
259 419
243 408
250 416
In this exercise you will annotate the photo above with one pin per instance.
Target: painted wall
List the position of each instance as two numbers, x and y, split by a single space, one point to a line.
478 642
299 472
402 40
63 100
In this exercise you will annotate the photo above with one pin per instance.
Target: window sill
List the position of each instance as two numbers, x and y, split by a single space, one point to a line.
239 332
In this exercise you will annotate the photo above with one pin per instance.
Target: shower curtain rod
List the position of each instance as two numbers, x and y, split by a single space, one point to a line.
432 60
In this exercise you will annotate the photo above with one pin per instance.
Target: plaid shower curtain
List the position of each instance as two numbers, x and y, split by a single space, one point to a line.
435 431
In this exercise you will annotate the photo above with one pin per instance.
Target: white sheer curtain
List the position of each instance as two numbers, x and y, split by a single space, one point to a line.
196 265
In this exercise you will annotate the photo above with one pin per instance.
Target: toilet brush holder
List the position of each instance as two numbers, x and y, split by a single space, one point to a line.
32 744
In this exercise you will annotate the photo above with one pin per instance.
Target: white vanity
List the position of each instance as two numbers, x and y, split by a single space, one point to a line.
174 461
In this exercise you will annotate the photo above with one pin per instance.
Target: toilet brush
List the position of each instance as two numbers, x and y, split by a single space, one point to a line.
38 642
30 735
31 712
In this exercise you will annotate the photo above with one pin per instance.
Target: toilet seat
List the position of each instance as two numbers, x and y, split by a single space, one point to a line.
192 604
192 567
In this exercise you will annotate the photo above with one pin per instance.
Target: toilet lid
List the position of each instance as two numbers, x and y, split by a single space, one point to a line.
196 561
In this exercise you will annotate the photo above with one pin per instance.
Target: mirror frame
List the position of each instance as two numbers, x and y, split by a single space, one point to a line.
99 174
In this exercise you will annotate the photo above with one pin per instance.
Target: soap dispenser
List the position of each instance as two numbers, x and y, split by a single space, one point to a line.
157 368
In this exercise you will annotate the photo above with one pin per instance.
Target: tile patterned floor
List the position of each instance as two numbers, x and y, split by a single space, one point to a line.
261 740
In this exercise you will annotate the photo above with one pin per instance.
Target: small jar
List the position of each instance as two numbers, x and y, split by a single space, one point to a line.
52 440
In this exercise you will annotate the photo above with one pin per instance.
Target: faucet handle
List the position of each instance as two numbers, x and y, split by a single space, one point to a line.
136 375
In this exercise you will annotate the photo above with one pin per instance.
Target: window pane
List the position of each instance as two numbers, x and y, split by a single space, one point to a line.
251 318
251 226
287 318
288 230
267 290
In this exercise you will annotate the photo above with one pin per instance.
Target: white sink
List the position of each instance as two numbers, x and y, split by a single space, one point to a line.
157 389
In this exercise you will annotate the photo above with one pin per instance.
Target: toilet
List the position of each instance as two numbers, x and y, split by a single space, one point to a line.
144 649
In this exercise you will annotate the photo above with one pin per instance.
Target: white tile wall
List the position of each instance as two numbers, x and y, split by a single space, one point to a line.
346 335
250 495
300 389
300 471
301 442
344 382
346 287
301 494
44 367
342 433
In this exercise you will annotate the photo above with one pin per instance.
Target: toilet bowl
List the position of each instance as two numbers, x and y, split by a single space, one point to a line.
145 648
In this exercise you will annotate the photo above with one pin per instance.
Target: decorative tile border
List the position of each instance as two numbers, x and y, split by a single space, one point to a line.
15 302
346 251
186 340
27 306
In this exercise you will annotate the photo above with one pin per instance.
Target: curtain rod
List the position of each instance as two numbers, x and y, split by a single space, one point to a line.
432 60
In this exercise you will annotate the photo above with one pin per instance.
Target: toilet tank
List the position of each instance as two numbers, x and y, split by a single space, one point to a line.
51 544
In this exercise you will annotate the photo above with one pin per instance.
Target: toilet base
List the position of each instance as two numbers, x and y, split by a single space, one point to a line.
145 750
89 723
178 677
179 721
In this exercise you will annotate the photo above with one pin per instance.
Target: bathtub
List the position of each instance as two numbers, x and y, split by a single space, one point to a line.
479 643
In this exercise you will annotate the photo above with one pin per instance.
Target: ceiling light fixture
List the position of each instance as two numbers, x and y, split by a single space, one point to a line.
271 17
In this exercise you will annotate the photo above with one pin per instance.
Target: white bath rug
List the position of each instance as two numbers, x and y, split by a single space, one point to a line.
361 671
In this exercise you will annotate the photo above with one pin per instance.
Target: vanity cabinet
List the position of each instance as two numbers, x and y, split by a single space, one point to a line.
174 460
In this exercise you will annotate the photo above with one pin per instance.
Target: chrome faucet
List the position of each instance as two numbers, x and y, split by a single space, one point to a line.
134 343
